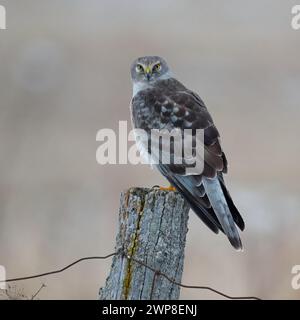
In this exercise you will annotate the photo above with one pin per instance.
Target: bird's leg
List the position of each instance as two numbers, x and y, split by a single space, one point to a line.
170 188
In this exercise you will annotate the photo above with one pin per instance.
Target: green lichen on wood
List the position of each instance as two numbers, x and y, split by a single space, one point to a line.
132 249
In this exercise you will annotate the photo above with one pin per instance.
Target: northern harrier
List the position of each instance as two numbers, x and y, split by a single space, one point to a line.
162 102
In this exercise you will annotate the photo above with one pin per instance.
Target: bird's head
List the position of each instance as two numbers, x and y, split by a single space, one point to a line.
146 70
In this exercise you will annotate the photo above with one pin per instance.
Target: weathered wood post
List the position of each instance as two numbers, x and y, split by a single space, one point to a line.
152 229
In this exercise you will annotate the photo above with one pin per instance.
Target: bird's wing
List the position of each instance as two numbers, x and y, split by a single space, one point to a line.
170 105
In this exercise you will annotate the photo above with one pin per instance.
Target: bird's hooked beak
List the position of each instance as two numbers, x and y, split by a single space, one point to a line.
148 73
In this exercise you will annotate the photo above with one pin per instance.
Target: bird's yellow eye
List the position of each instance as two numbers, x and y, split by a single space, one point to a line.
157 67
139 68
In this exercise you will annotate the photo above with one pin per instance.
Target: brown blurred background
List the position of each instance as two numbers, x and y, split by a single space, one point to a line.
64 74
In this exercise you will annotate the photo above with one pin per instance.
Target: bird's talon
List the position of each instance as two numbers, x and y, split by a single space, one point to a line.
170 188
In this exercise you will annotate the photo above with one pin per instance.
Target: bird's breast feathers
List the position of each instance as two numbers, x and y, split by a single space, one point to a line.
168 104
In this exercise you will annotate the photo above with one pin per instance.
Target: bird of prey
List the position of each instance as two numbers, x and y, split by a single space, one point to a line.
161 102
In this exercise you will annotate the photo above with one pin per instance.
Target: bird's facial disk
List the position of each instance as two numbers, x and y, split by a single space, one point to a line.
148 69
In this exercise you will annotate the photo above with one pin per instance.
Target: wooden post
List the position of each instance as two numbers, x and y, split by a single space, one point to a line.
152 229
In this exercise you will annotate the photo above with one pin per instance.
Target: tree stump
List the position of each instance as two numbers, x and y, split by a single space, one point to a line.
152 230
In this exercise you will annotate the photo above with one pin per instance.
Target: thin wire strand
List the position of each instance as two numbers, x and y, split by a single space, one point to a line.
59 270
156 274
191 286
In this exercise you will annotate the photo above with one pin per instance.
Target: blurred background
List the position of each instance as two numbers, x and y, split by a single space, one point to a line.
64 74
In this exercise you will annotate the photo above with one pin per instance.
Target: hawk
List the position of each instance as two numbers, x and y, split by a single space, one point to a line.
161 102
